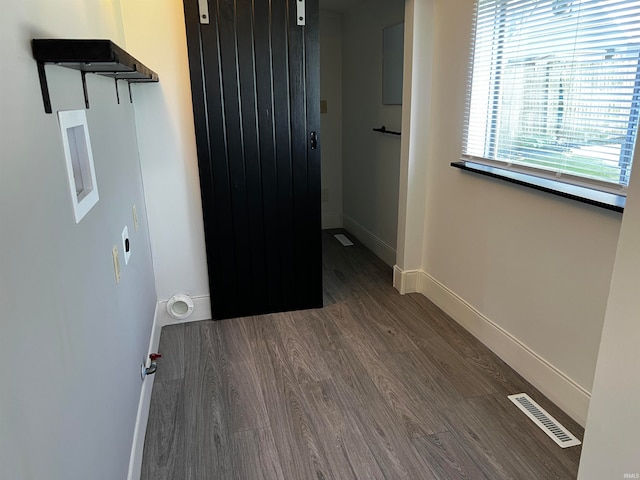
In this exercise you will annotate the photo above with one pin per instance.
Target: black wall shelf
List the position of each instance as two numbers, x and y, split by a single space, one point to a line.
102 57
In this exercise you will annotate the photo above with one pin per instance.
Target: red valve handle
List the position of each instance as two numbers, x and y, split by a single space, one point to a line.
155 356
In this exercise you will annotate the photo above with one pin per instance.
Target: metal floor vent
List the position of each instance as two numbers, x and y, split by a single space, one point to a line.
343 240
546 422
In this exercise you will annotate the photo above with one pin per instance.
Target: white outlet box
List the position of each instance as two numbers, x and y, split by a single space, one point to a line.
79 158
126 245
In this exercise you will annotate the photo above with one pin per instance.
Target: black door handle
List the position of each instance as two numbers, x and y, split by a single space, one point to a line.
313 142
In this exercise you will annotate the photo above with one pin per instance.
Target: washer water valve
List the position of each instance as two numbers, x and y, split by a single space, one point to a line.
153 366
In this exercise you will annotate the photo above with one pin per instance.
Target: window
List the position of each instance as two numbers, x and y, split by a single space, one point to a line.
554 89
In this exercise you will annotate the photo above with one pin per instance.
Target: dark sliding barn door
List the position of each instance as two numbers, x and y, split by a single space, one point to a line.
255 84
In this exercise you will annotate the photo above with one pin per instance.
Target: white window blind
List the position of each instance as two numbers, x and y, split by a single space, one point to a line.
554 89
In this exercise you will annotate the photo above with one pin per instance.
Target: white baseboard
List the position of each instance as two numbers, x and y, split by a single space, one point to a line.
331 220
383 250
135 461
558 387
405 281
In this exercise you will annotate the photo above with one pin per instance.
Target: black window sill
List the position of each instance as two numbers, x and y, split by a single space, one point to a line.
610 201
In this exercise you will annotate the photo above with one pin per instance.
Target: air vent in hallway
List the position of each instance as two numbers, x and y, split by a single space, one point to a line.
546 422
343 240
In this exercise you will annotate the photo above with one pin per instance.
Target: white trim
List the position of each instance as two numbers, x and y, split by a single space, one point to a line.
405 281
201 311
331 220
383 250
135 461
557 386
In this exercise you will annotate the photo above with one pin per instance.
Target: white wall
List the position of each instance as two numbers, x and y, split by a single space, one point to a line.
532 268
331 122
371 161
155 31
612 445
71 340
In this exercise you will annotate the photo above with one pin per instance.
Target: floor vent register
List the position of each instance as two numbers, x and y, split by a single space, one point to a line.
343 240
546 422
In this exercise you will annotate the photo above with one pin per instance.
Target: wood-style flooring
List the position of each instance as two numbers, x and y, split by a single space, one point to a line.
373 386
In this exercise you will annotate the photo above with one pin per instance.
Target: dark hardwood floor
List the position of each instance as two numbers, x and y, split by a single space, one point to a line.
373 386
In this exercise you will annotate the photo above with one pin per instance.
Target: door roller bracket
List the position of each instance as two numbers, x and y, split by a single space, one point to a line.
203 8
301 10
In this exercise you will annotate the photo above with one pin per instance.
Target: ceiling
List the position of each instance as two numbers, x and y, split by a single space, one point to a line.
337 5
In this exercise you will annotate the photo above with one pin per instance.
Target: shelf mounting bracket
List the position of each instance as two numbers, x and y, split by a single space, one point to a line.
83 74
44 87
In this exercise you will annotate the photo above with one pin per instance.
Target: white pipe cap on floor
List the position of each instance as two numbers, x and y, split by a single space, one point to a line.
180 306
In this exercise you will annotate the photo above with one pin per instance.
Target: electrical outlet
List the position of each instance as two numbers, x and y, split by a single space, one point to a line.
325 195
135 217
323 106
126 245
116 262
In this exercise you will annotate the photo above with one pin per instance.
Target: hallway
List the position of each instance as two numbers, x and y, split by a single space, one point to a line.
374 385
